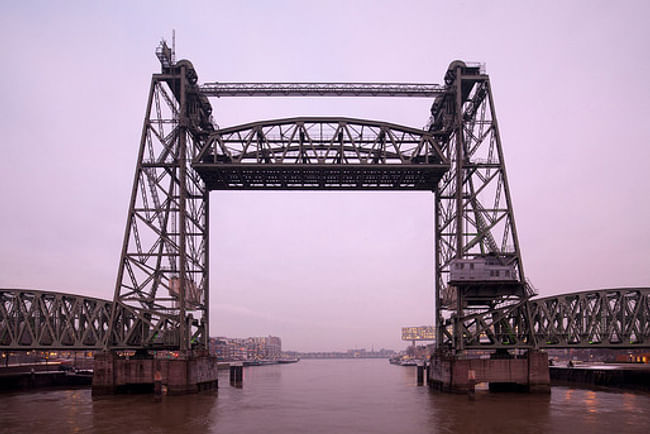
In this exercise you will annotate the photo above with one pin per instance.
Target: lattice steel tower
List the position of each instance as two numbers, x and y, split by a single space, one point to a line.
474 220
163 276
163 270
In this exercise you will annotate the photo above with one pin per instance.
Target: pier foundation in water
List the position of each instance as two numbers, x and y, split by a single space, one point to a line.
188 373
526 373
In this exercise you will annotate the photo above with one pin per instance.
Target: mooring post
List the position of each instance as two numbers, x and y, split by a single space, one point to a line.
471 381
420 369
240 375
157 385
236 375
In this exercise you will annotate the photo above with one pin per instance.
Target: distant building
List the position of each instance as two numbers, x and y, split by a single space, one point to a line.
252 348
349 354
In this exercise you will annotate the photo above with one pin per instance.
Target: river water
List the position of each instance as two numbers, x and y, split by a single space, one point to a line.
328 396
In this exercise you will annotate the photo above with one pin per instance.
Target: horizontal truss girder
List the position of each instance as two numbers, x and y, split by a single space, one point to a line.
319 177
418 90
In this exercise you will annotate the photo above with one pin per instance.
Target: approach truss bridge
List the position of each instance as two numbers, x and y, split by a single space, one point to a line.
608 318
40 320
161 297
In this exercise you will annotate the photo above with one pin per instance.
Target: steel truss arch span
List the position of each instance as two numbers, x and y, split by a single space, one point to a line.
321 153
42 320
606 318
46 320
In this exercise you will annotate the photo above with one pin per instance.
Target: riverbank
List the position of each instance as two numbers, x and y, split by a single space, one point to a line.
269 362
615 375
39 375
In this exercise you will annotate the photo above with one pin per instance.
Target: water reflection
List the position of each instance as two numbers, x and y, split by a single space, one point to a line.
328 396
591 401
568 395
142 413
72 412
488 412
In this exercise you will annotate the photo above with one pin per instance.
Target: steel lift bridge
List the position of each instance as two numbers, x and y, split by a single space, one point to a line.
161 298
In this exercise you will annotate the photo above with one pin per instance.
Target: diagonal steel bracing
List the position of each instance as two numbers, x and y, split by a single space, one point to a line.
166 238
321 153
161 296
163 275
474 214
49 320
607 318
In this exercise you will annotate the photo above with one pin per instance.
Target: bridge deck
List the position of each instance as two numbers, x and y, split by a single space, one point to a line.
318 177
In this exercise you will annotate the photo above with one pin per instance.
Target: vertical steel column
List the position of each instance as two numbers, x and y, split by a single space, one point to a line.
474 211
182 215
459 163
163 274
458 333
206 271
438 320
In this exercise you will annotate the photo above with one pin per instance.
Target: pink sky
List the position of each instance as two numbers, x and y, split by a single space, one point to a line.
327 271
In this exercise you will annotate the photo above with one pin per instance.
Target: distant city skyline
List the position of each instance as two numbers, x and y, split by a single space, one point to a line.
327 270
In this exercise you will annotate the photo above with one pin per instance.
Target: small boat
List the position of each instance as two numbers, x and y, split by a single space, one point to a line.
283 361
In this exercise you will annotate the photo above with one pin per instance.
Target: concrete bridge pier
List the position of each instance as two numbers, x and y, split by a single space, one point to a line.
502 371
187 373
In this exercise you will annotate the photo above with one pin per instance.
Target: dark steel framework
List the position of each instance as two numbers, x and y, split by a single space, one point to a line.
473 209
163 274
39 320
163 271
321 153
608 318
161 297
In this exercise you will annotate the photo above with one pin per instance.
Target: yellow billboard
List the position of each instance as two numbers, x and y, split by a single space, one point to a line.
422 333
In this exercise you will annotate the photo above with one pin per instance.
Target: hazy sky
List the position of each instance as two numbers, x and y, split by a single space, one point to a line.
326 271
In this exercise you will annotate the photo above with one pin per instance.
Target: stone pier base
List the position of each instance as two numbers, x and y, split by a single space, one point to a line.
188 374
530 373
